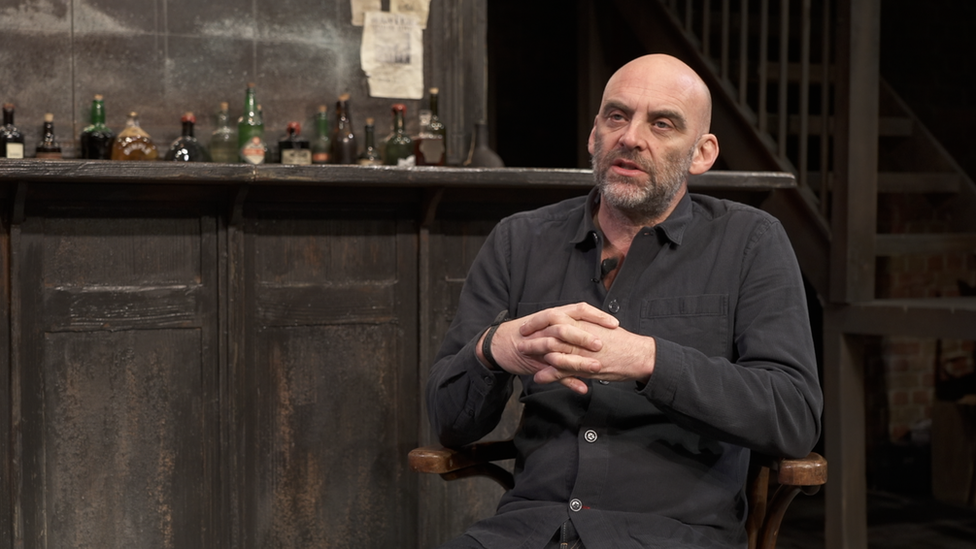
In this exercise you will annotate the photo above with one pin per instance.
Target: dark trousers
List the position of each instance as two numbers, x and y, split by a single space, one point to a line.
564 538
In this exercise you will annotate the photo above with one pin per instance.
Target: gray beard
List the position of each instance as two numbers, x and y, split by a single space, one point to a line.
643 202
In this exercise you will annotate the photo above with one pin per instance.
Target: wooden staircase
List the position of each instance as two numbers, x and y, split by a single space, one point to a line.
876 189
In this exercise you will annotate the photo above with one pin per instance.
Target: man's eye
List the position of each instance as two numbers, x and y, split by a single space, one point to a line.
662 124
615 117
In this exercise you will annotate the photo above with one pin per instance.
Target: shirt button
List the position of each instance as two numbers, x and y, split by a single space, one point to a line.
613 306
575 505
590 436
489 380
604 382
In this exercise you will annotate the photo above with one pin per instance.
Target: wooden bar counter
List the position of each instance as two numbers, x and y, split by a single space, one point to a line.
215 355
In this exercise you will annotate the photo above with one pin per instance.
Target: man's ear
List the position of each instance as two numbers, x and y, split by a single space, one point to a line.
589 142
706 153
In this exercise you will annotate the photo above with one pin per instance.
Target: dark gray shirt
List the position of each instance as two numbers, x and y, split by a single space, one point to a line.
718 287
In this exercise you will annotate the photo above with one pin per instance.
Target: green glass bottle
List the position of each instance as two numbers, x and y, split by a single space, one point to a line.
97 138
251 123
370 155
399 147
223 142
322 144
430 146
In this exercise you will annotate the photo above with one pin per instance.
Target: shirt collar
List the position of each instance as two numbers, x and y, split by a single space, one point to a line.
673 228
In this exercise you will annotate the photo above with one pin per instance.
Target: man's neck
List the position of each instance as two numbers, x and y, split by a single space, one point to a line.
619 229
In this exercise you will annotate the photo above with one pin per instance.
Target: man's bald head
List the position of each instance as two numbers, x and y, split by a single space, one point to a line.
667 74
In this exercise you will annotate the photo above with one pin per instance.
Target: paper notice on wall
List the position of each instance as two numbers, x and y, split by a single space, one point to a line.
360 7
392 54
418 8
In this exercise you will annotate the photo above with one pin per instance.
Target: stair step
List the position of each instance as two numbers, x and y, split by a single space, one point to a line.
888 126
908 182
890 245
919 182
946 317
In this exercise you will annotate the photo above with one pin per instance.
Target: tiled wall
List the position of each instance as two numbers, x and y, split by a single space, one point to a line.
164 57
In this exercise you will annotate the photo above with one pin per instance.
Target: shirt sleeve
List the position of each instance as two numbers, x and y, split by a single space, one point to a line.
465 400
768 397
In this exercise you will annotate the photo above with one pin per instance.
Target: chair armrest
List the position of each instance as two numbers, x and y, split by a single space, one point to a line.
440 459
808 471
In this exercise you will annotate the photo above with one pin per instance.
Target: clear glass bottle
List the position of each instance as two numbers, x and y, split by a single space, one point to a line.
430 146
251 123
293 148
481 155
399 146
370 155
344 145
322 145
186 148
133 143
223 142
97 138
48 147
11 139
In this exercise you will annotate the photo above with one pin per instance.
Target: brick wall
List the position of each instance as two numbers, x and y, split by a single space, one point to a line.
909 364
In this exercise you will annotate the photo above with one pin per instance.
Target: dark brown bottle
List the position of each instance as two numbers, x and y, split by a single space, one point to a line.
11 140
343 140
293 148
49 146
430 145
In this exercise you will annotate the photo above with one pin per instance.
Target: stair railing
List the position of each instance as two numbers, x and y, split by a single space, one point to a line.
763 52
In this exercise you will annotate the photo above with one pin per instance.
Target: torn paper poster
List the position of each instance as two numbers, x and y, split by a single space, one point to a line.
360 7
392 55
418 8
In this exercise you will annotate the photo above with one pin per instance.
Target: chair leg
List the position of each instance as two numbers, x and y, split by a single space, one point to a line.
777 510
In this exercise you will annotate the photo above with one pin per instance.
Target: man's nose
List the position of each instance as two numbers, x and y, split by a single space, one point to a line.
633 137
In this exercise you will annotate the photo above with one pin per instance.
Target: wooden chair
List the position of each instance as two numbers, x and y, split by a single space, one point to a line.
766 513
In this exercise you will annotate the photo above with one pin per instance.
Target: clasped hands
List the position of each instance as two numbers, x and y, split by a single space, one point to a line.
565 344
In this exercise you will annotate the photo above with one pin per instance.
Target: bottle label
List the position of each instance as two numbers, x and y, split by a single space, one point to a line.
320 158
253 151
432 148
296 156
15 150
407 162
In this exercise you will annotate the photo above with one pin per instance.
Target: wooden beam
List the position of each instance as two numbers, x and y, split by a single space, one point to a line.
889 245
856 186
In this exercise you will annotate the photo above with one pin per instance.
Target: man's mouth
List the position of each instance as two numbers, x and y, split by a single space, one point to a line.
626 167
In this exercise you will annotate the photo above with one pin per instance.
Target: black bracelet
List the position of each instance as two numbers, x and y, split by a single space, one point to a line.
486 342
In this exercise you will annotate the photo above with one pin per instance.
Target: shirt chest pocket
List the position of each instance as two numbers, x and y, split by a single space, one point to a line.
697 321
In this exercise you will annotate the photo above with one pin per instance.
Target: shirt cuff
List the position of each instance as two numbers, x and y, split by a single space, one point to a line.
668 365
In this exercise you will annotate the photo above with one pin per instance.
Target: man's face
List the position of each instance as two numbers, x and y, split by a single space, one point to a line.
644 195
645 139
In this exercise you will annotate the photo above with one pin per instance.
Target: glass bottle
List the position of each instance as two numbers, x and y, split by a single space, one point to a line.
430 147
11 140
399 147
370 155
48 146
344 140
322 145
97 138
133 143
186 148
481 155
293 148
223 142
251 123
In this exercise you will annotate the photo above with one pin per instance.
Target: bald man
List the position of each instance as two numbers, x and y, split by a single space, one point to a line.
659 337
